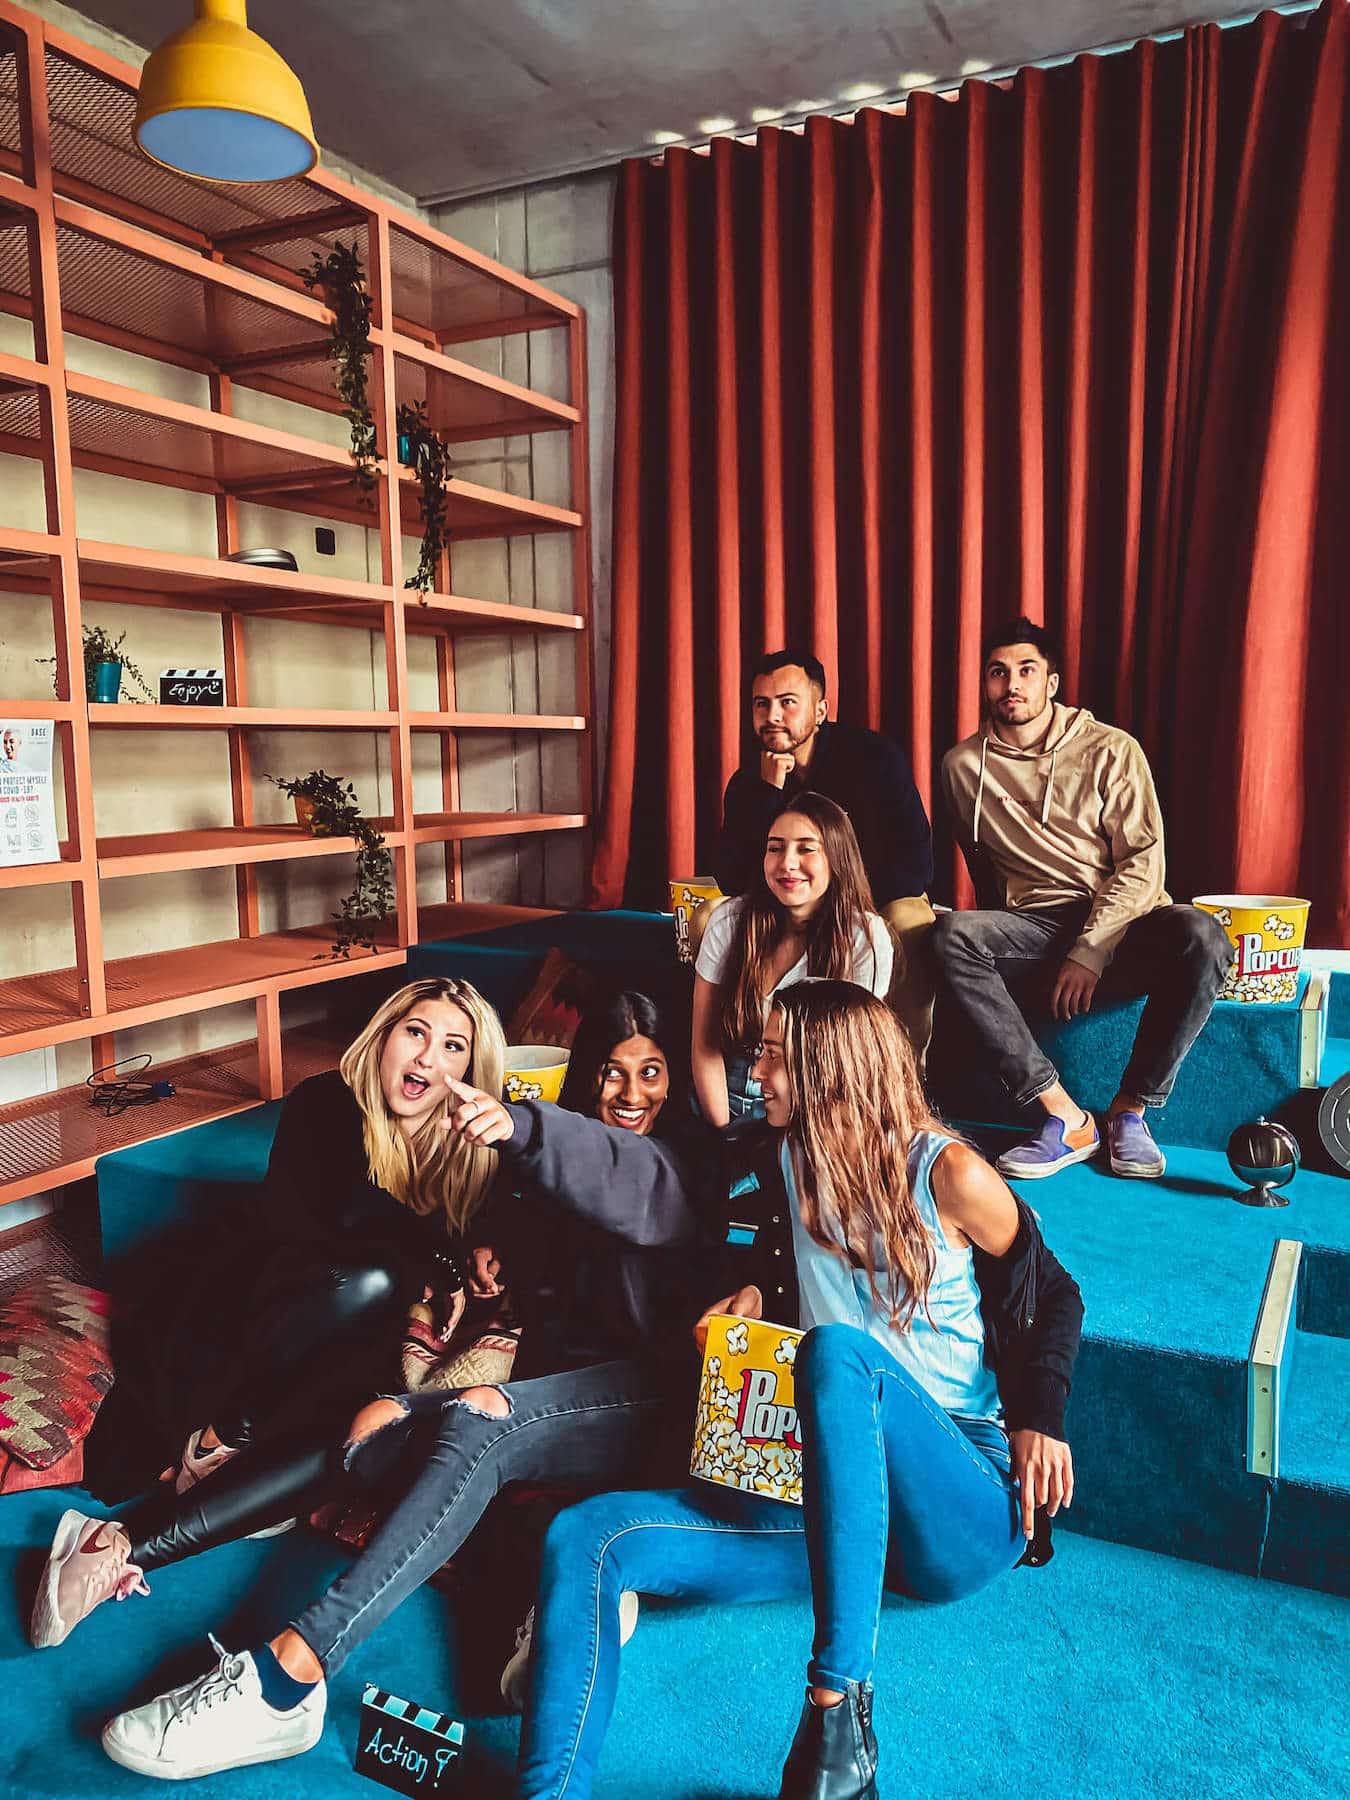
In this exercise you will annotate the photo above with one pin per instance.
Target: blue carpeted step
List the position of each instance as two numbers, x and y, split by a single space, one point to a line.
1335 1060
1111 1674
181 1179
1248 1060
1172 1274
1309 1536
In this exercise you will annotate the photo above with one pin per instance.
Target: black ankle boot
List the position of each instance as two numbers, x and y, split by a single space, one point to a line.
834 1754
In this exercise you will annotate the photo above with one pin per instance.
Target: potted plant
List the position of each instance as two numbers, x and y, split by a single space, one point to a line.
105 663
327 807
421 446
343 282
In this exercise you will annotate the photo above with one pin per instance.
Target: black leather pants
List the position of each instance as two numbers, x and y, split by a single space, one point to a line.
303 1310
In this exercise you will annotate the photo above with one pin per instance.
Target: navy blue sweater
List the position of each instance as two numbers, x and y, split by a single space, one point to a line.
866 774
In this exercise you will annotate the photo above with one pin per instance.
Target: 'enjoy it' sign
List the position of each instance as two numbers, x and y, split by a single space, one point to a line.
409 1748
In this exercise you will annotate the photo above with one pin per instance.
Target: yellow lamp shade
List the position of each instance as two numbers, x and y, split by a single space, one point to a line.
217 102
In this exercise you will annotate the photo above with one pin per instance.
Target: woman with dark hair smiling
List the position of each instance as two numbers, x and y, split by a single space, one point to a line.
809 912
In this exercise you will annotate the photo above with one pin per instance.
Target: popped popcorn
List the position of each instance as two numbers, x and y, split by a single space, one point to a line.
1267 934
745 1431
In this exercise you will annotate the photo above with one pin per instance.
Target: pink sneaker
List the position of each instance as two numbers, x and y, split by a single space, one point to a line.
197 1463
89 1563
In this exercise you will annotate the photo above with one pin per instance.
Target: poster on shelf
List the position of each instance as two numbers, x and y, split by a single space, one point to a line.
27 809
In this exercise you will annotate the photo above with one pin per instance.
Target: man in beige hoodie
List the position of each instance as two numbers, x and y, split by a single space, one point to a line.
1059 824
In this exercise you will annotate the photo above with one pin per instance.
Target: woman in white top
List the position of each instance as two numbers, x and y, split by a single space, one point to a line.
810 913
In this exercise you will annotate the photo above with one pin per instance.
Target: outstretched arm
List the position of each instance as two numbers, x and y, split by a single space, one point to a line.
633 1186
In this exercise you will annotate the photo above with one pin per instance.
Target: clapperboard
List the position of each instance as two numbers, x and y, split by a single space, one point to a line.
192 687
407 1747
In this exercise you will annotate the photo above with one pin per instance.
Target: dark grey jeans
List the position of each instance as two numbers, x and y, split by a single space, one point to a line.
1176 955
589 1428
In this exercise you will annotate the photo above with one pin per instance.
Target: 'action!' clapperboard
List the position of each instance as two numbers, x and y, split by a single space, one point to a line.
407 1747
192 687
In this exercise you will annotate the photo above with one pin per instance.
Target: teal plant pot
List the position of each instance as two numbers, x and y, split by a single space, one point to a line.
107 681
405 450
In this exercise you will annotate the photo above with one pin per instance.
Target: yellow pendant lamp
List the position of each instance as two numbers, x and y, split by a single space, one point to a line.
217 102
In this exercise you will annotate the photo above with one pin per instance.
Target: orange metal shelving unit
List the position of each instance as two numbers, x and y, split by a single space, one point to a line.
96 242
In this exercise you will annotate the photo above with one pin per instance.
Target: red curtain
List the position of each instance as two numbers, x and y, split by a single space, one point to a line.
1068 347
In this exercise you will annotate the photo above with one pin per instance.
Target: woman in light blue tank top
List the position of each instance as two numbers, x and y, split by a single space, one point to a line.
903 1242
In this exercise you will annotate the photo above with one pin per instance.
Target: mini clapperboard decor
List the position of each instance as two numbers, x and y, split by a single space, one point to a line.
746 1432
192 687
409 1748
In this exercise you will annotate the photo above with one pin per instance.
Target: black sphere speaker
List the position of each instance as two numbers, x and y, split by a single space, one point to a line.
1267 1155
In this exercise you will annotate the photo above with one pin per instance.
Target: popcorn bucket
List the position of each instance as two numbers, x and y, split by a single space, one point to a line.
1267 932
745 1434
685 899
534 1072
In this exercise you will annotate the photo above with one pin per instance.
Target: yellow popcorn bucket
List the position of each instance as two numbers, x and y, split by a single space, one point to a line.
1267 931
534 1072
685 899
745 1434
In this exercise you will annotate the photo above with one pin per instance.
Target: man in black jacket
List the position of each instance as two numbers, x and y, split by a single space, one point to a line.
862 771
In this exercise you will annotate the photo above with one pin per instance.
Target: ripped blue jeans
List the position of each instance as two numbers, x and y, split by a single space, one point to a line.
586 1428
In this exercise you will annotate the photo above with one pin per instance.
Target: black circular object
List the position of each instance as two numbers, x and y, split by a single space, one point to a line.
1267 1155
1333 1122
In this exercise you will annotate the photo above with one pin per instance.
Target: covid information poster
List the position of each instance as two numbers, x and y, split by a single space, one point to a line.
27 809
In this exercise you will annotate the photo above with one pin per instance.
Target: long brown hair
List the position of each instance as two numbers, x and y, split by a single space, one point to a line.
435 1170
763 919
857 1103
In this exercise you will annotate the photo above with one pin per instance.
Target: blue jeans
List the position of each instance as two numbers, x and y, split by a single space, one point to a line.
897 1494
587 1428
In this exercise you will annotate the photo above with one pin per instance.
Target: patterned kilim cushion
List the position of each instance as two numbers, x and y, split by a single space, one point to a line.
54 1367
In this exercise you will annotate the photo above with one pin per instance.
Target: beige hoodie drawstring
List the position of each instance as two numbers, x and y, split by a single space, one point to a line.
979 789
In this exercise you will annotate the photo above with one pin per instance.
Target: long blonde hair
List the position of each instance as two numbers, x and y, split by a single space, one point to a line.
846 904
430 1170
857 1103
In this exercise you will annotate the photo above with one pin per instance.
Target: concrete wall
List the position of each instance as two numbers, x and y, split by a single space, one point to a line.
559 234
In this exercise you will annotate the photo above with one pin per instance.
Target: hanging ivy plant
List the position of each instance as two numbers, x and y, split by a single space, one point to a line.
343 281
329 809
423 449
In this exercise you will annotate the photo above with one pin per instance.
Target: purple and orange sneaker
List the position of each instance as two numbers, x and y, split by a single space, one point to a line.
1054 1147
1133 1151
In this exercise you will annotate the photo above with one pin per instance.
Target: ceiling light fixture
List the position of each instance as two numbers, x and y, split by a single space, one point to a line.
712 127
217 102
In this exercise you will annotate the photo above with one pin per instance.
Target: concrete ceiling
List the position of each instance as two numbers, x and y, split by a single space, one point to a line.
445 98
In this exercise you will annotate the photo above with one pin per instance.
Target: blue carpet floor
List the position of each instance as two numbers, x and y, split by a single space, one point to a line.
1113 1674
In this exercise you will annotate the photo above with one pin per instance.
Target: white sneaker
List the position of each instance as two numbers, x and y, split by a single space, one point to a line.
515 1676
219 1721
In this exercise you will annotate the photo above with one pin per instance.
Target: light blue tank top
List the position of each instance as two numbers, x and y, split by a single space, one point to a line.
944 1355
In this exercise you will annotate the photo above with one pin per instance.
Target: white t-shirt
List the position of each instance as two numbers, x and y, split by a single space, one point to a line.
873 952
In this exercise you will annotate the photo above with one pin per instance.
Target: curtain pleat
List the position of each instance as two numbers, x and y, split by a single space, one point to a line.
1067 345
